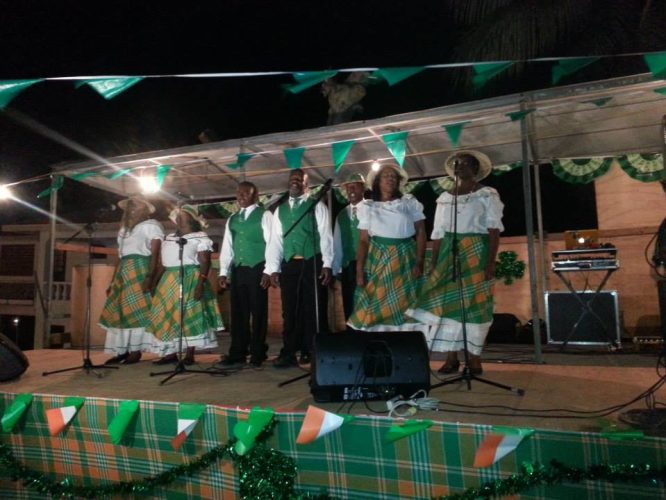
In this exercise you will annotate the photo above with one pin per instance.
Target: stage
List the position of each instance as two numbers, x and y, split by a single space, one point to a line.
354 462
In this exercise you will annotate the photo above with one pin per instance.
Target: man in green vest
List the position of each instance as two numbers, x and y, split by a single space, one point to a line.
296 259
242 261
346 238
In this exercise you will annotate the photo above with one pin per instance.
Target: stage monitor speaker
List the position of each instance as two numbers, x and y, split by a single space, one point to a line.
12 361
563 310
355 366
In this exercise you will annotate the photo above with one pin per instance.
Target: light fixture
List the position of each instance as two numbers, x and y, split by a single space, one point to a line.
149 184
5 193
581 240
375 165
15 321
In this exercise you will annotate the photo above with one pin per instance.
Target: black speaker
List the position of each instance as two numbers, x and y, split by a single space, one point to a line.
564 310
12 361
354 366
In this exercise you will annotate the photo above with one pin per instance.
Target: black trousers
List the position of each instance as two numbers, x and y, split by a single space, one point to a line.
298 305
348 282
249 314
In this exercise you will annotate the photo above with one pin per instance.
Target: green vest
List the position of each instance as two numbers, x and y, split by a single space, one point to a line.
248 238
350 235
299 240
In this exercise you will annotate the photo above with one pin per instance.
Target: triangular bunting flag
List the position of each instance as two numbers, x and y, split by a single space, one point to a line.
317 423
241 159
396 75
56 184
118 173
13 414
161 173
514 116
602 101
340 150
485 71
58 418
657 64
566 67
500 443
661 90
453 130
410 427
121 421
11 88
247 432
307 79
83 175
294 157
188 416
111 87
396 142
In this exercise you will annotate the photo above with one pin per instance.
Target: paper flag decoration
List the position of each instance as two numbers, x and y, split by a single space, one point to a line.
247 432
339 151
188 416
657 64
410 427
396 75
120 422
57 183
14 413
514 116
566 67
485 71
396 142
11 88
241 159
453 130
499 444
294 157
318 423
111 87
307 79
58 418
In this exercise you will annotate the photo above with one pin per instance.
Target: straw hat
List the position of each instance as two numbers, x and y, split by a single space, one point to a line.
352 178
485 165
404 177
192 211
137 199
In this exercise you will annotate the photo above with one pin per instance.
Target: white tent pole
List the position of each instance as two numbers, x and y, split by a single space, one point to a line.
49 288
529 225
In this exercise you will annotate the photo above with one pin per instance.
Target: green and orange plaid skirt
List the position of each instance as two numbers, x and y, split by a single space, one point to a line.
201 319
390 288
127 306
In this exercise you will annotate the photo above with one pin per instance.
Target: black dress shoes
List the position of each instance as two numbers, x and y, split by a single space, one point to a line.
116 360
285 362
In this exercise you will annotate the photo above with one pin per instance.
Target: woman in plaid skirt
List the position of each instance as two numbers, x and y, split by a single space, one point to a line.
479 223
201 317
127 308
389 259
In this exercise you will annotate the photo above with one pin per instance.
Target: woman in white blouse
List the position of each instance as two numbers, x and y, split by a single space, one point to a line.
389 259
127 308
479 223
201 318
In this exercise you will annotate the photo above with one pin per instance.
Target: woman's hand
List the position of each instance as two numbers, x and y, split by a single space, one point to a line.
490 270
147 285
417 270
360 278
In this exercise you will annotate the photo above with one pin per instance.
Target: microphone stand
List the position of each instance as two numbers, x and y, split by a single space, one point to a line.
311 208
87 365
456 276
180 367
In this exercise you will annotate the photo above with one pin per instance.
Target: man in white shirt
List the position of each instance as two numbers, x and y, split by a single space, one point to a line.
242 262
298 245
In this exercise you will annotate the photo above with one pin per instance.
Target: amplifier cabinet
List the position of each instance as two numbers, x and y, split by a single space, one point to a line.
601 326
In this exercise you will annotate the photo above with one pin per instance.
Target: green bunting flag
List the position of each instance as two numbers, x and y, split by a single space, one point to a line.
566 67
14 413
56 184
110 87
396 75
83 175
453 130
307 79
340 150
657 64
241 159
602 101
661 90
11 88
247 432
160 174
409 428
119 173
514 116
121 421
396 142
485 71
294 157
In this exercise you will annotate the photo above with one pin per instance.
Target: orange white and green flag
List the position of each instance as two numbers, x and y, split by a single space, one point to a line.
498 444
188 416
318 423
58 418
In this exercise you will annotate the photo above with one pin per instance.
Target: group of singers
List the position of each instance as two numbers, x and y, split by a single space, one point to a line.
377 250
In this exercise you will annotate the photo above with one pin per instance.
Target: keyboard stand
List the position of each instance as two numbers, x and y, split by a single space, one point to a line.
587 307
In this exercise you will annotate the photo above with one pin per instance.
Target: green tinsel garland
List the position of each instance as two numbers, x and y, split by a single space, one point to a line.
509 267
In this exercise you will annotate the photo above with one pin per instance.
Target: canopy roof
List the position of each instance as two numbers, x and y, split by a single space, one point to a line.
566 123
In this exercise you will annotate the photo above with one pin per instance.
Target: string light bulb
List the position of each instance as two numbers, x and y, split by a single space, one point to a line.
149 184
5 193
375 166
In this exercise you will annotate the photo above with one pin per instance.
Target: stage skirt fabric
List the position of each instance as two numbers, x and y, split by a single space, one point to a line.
381 304
127 309
438 303
201 319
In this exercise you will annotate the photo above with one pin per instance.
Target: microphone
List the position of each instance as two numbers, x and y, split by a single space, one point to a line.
327 185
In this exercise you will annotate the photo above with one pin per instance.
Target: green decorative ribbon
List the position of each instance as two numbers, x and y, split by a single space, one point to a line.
121 421
339 151
9 89
294 157
396 75
441 184
396 142
566 67
14 413
515 116
453 130
581 170
307 79
507 167
643 167
247 432
241 159
485 71
657 64
57 182
409 428
109 88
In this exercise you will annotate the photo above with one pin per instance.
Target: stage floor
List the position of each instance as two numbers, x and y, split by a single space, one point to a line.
581 380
